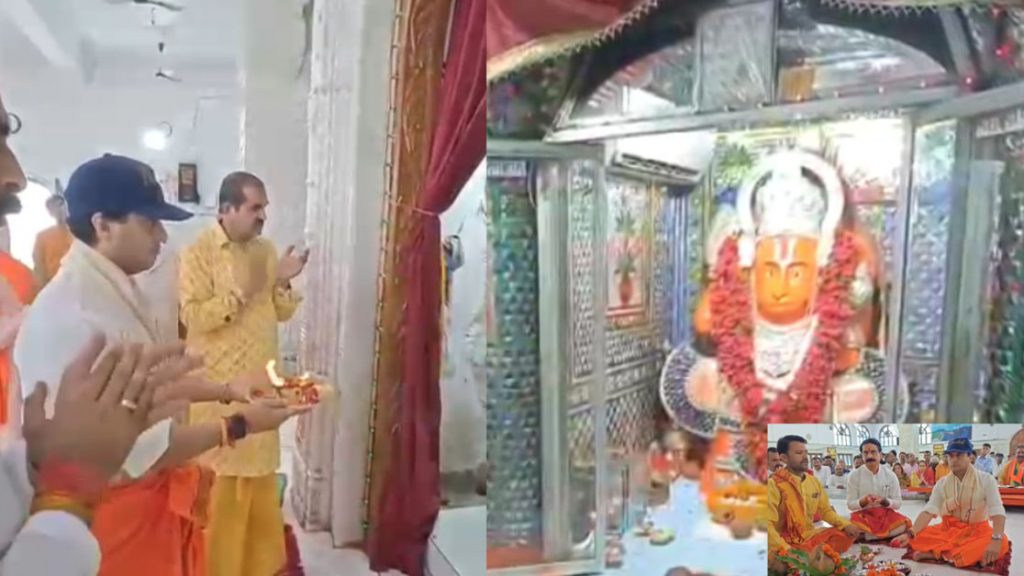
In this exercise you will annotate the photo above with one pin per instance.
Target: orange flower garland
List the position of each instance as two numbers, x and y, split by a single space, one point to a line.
732 329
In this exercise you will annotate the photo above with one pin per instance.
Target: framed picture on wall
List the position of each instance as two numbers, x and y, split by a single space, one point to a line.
188 188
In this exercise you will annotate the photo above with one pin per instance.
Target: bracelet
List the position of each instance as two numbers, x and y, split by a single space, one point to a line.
63 502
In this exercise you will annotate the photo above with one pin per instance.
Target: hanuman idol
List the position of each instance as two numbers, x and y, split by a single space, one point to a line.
782 331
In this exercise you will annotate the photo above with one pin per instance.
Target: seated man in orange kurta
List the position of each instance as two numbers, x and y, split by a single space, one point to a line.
1013 472
794 498
967 500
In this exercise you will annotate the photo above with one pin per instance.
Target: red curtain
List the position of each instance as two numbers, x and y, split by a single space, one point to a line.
411 498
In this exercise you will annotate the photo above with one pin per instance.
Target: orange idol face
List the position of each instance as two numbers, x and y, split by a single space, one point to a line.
785 278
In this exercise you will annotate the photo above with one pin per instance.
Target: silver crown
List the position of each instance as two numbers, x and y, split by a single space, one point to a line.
789 204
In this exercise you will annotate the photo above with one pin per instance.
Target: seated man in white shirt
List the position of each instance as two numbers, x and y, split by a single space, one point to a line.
822 473
973 518
873 496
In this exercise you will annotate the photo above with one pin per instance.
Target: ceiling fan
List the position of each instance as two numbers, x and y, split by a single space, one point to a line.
168 75
158 3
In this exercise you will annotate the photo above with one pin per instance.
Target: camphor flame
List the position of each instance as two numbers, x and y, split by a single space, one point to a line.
276 380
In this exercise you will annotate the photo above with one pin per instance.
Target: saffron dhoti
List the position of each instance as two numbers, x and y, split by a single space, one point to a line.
155 526
880 522
957 542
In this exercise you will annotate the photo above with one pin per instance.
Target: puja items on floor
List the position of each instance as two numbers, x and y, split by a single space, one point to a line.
741 506
822 561
302 390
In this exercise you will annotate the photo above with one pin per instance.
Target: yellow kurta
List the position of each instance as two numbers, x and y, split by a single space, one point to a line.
816 503
233 338
246 532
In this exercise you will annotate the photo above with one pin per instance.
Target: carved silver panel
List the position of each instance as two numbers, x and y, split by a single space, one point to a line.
513 367
581 245
737 56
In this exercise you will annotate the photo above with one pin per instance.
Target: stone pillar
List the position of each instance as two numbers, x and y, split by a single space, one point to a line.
274 124
348 115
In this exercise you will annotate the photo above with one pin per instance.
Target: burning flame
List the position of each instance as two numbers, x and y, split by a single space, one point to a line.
276 380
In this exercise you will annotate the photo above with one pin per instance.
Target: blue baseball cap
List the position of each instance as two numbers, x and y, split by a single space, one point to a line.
118 186
961 445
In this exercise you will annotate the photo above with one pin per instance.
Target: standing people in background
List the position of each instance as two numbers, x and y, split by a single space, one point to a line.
974 457
53 243
858 461
235 290
985 462
999 464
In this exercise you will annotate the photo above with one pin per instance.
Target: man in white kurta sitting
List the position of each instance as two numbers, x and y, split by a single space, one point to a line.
873 496
151 521
973 517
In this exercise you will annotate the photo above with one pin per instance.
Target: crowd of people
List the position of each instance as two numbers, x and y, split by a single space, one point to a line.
964 495
106 417
913 470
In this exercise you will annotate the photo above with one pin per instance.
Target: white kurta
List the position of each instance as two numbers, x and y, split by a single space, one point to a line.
48 542
89 295
862 483
977 504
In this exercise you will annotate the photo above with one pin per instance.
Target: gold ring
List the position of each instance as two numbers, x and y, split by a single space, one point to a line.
131 406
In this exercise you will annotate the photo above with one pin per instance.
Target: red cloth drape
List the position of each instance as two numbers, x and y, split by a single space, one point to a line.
512 23
411 498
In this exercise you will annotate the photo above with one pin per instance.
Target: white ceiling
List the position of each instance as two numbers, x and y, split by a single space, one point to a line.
82 35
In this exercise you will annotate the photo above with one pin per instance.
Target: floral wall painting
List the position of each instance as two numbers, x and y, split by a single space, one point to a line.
629 247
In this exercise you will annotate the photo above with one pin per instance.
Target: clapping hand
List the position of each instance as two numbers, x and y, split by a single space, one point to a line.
291 265
101 407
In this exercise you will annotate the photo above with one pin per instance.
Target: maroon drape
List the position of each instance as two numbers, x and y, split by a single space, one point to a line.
411 498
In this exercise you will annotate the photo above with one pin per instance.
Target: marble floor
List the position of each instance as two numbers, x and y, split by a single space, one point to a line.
1014 530
458 547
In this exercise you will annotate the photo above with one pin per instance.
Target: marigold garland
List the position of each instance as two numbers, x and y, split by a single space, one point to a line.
732 329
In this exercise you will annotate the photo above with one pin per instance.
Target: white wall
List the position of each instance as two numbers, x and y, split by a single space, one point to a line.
67 123
463 377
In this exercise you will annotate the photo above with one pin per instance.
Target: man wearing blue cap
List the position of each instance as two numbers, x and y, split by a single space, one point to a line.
80 447
966 500
152 521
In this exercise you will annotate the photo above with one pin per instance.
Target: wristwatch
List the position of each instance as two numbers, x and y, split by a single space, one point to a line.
237 428
997 537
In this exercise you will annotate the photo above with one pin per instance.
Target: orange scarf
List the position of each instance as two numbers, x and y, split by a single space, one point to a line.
794 518
1014 473
23 283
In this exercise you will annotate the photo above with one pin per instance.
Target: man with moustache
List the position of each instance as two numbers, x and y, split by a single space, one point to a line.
1013 472
973 518
794 499
234 291
873 496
